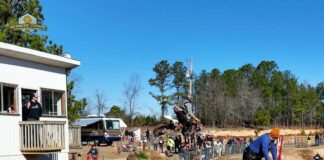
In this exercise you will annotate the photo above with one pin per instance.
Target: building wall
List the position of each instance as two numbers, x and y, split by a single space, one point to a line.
27 75
31 75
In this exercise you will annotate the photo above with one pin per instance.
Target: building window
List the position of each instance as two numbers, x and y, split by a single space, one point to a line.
8 98
53 102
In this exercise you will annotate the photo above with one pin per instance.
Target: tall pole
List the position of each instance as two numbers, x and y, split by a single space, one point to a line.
190 77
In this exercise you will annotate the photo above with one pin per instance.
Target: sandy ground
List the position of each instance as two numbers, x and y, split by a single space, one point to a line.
105 153
243 132
289 153
109 153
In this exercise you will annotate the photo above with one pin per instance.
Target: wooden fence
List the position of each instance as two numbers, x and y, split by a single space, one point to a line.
75 136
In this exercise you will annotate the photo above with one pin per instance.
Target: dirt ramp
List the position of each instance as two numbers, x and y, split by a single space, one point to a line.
298 154
305 154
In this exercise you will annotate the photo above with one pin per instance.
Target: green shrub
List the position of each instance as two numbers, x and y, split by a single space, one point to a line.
302 133
142 156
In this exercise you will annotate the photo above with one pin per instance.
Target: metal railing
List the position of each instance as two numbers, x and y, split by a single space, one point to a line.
228 149
204 154
40 136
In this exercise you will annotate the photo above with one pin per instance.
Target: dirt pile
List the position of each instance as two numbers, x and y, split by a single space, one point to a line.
243 132
305 153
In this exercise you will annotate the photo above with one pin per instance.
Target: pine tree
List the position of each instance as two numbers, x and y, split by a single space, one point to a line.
10 12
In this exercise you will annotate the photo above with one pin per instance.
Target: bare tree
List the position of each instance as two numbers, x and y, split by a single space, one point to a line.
100 101
131 92
87 109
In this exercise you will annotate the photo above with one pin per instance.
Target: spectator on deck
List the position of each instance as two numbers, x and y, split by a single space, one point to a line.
33 109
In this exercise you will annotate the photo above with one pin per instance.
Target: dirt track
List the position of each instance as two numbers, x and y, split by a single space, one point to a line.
289 153
109 152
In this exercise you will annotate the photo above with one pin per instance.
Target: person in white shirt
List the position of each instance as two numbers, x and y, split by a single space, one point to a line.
218 148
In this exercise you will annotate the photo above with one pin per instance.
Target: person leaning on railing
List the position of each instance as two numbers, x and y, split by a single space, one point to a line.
261 146
33 109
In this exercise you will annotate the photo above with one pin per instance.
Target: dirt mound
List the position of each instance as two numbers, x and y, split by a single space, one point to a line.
131 157
245 132
305 154
154 155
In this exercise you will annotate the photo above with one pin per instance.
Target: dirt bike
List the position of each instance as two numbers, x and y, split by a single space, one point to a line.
185 129
128 148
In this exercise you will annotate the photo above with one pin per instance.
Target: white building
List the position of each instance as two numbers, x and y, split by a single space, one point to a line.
23 72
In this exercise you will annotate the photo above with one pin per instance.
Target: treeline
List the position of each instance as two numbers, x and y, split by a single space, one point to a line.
247 96
261 95
137 120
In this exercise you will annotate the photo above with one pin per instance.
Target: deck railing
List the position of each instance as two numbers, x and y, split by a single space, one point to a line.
41 136
75 137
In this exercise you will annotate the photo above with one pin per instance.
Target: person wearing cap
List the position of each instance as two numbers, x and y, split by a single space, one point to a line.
186 106
261 146
33 108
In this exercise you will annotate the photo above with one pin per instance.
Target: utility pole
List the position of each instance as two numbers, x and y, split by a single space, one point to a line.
190 77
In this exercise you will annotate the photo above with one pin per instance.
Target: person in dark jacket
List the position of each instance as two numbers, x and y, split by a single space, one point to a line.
185 116
177 142
33 109
93 153
317 139
261 146
147 133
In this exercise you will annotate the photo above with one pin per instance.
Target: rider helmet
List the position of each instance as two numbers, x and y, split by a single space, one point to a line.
187 97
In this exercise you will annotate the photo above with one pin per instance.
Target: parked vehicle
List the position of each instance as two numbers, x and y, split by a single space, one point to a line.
100 129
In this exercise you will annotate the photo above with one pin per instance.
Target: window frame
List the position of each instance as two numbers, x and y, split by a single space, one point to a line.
63 104
112 124
15 102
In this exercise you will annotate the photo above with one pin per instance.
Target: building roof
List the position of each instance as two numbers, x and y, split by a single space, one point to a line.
31 55
88 121
85 122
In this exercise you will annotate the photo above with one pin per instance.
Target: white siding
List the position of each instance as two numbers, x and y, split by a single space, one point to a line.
27 75
31 75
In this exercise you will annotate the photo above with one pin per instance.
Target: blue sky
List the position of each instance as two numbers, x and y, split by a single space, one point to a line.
115 39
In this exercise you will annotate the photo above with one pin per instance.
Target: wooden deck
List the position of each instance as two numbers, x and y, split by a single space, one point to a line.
41 136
